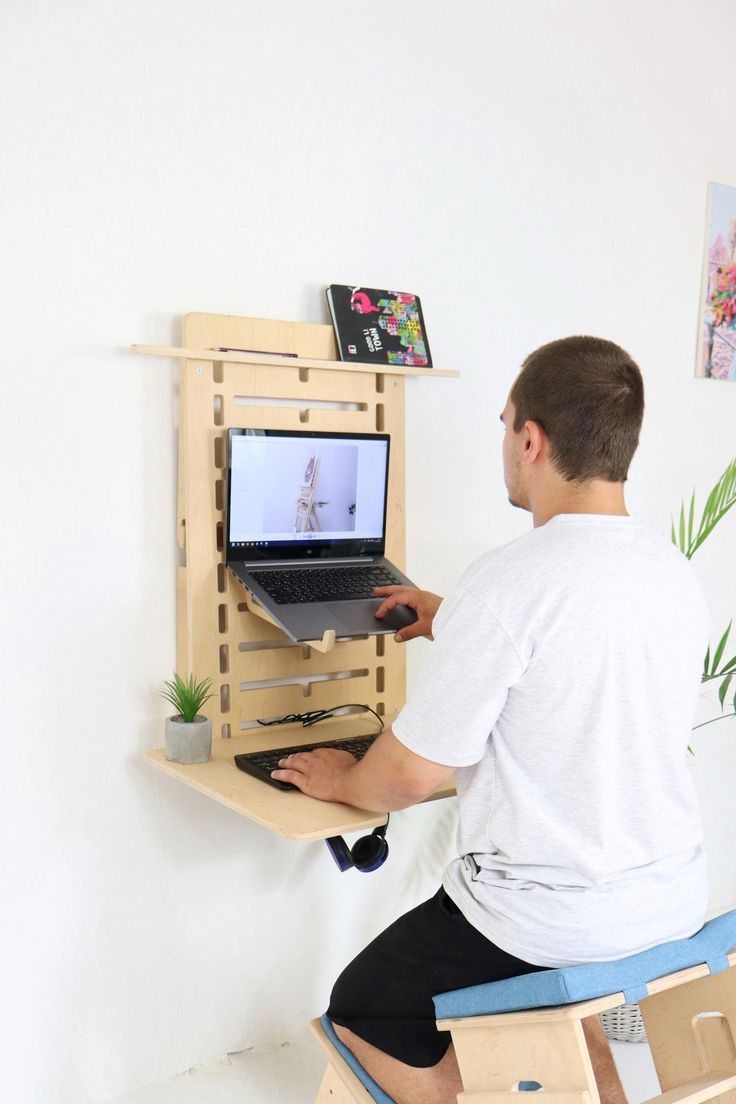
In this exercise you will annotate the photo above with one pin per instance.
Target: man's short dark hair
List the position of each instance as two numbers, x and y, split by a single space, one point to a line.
587 394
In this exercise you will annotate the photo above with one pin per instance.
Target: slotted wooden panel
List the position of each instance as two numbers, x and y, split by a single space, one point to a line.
212 618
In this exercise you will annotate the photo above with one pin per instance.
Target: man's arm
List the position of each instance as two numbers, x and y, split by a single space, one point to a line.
388 777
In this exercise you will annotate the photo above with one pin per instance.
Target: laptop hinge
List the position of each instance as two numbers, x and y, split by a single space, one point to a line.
309 563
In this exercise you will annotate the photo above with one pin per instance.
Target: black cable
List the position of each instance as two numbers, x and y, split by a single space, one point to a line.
315 715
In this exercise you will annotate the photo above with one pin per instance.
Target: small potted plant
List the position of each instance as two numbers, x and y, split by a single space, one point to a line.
188 733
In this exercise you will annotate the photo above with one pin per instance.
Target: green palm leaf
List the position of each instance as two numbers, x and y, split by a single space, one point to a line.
720 500
721 647
727 666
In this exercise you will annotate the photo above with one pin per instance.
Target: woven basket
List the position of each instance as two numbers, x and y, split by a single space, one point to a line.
624 1024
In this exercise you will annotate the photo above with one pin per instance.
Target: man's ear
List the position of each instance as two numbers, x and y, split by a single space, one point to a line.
535 443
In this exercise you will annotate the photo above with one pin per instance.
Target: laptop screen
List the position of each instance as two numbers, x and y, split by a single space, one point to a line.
305 495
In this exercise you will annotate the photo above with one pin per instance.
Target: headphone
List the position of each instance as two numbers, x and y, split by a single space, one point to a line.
366 854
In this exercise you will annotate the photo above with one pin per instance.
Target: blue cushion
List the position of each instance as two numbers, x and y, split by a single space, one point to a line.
547 988
374 1089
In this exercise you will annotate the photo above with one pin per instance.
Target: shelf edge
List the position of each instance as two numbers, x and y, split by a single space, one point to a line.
276 361
356 820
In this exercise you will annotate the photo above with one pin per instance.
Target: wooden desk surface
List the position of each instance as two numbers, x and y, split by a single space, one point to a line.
287 813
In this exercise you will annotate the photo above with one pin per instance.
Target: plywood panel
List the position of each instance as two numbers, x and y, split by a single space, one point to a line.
213 606
213 618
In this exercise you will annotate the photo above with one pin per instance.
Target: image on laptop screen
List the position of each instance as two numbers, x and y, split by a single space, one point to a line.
294 493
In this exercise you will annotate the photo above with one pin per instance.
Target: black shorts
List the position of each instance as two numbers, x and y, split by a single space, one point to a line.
385 994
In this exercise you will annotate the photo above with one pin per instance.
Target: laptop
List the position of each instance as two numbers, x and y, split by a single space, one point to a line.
306 529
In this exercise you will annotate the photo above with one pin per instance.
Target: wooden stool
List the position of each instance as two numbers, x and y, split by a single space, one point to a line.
689 1015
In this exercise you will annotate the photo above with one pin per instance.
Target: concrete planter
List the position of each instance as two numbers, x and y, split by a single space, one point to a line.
188 741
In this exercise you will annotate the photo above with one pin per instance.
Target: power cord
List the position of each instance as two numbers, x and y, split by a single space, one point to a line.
315 715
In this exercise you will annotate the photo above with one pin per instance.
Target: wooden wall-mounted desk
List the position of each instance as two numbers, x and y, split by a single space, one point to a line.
293 381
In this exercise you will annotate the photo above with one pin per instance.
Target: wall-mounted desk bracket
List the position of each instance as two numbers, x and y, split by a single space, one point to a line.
326 644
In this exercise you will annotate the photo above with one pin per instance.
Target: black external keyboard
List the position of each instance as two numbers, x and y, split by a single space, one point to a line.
322 584
261 763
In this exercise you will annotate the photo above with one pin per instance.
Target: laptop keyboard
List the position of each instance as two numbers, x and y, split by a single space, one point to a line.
333 584
261 763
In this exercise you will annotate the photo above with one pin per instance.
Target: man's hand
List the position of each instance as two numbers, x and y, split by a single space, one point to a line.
423 602
316 773
388 777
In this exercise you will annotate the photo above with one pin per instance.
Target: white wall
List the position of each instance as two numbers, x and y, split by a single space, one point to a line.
532 170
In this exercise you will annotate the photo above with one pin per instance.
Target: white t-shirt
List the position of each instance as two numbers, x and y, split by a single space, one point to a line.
562 682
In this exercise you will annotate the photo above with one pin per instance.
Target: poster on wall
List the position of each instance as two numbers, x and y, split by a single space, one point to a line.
717 326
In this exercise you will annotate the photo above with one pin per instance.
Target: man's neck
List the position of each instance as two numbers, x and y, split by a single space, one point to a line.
593 496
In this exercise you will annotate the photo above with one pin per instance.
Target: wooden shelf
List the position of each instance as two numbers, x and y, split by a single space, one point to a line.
274 360
287 813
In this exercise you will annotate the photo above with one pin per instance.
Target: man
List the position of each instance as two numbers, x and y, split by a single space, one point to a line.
561 686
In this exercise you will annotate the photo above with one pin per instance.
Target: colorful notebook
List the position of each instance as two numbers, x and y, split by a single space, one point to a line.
378 327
